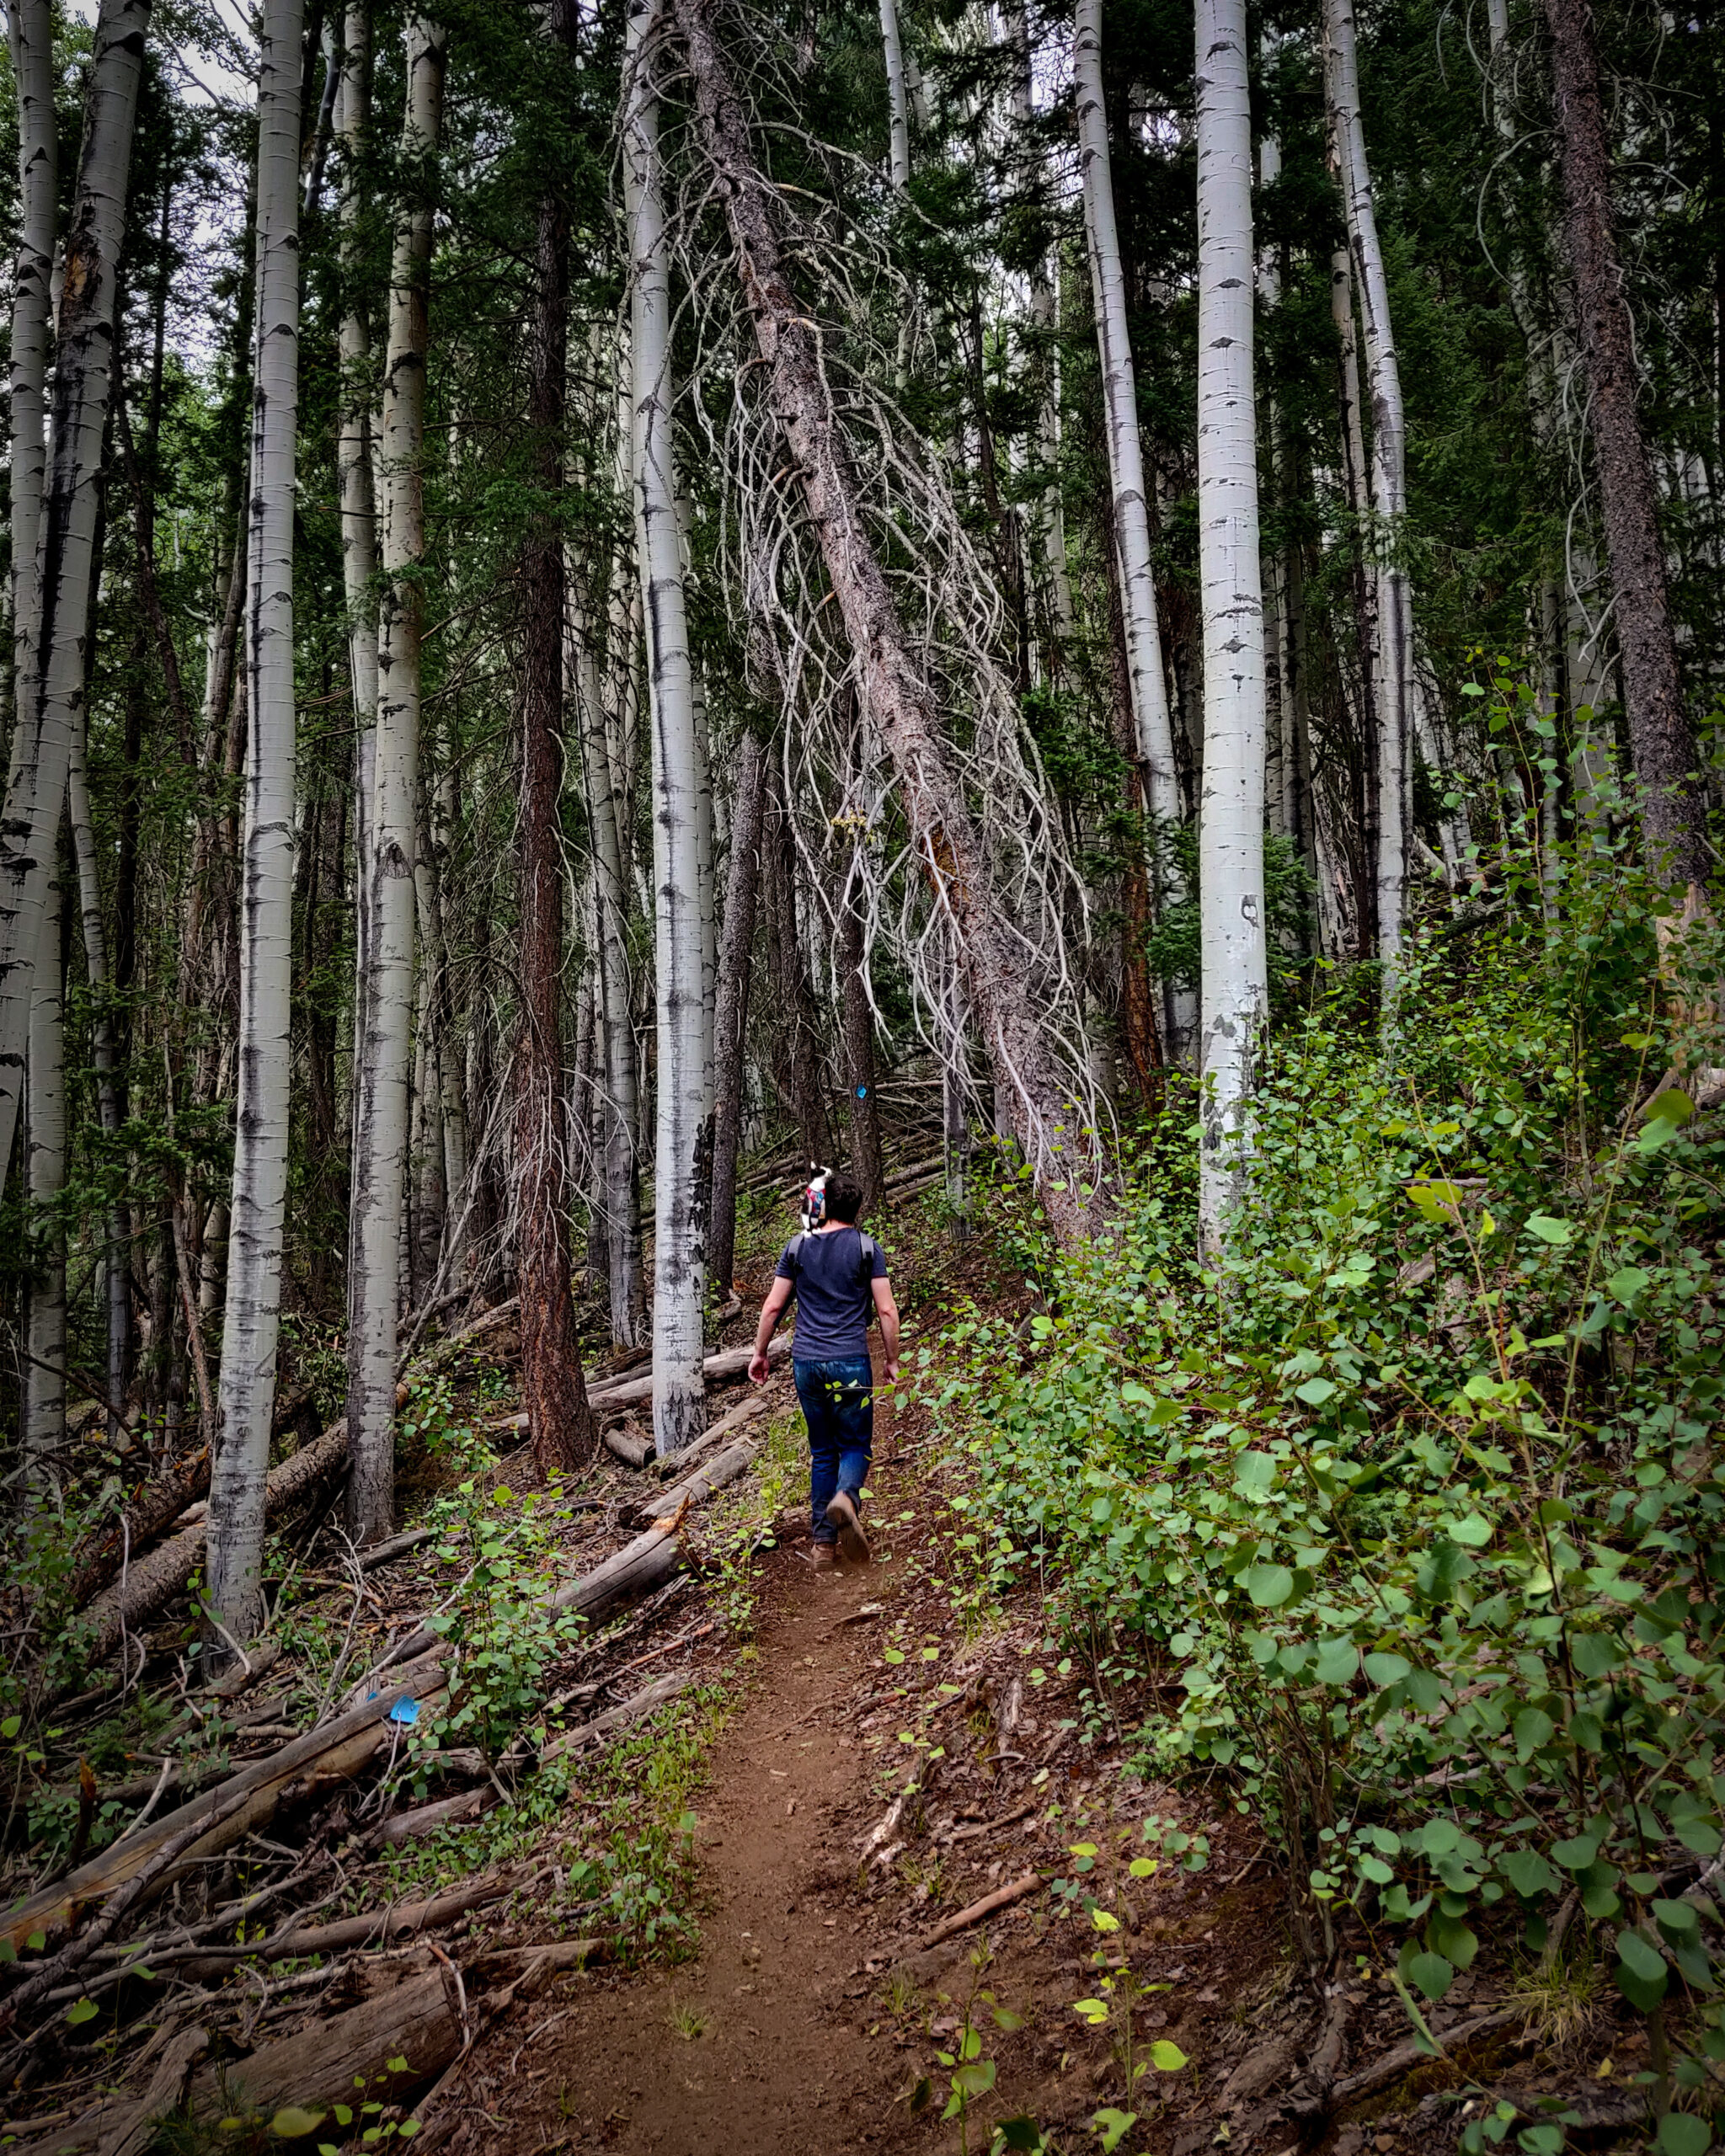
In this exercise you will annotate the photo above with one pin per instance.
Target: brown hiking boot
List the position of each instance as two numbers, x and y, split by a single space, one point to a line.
823 1557
853 1543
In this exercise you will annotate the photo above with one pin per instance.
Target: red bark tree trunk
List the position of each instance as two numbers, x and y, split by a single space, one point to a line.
564 1434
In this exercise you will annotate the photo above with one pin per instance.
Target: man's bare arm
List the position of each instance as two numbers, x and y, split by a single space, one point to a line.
888 1312
770 1311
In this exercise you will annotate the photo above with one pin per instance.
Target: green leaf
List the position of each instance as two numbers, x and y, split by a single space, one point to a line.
1672 1105
1528 1873
1430 1973
1641 1973
1021 2132
80 2011
1473 1533
290 2123
1114 2127
1269 1586
1386 1668
1256 1473
975 2078
1337 1661
1093 2010
1676 1919
36 1941
1682 2134
1549 1229
1627 1284
1167 2057
10 1727
1315 1391
1533 1730
397 2065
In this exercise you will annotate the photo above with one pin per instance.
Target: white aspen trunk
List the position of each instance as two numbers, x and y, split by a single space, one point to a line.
1042 324
705 831
1151 728
1147 686
382 1135
1394 684
897 95
30 25
1280 786
682 1136
42 735
45 1372
620 1110
1235 990
251 1323
116 1256
354 477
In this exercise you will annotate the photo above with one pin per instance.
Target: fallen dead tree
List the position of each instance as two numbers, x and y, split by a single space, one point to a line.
631 1392
715 1473
335 1752
423 2022
147 1583
332 1753
900 707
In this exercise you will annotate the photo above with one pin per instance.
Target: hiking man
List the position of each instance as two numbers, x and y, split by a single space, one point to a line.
839 1278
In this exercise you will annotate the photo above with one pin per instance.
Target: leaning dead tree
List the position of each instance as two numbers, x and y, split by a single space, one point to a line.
898 699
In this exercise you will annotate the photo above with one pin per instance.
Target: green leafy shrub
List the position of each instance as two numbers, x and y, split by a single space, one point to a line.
1422 1491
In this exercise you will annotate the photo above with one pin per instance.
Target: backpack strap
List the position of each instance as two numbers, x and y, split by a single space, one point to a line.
793 1250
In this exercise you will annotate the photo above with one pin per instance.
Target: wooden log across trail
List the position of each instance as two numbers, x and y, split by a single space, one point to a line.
420 2021
634 1447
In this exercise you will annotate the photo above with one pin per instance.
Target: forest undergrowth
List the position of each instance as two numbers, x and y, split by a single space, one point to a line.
1414 1502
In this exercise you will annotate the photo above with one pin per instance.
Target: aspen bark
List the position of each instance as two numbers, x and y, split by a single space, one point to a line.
387 849
30 29
42 736
1673 805
1152 730
355 482
897 96
109 1101
1394 680
1234 988
45 1371
896 697
620 1110
250 1328
730 1025
683 1135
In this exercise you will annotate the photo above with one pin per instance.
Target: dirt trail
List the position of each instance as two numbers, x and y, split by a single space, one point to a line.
777 2045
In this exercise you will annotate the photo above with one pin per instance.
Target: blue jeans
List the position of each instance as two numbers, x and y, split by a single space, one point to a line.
838 1399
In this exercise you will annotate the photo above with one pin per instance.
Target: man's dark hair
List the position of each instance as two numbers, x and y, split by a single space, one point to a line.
844 1198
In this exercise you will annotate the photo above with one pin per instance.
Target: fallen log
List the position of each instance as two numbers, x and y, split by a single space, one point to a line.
640 1564
1402 2059
631 1392
634 1447
427 1818
634 1709
154 1507
348 1935
420 2021
334 1753
720 1470
678 1464
729 1363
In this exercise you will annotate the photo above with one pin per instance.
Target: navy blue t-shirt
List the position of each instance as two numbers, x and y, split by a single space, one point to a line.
834 1299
